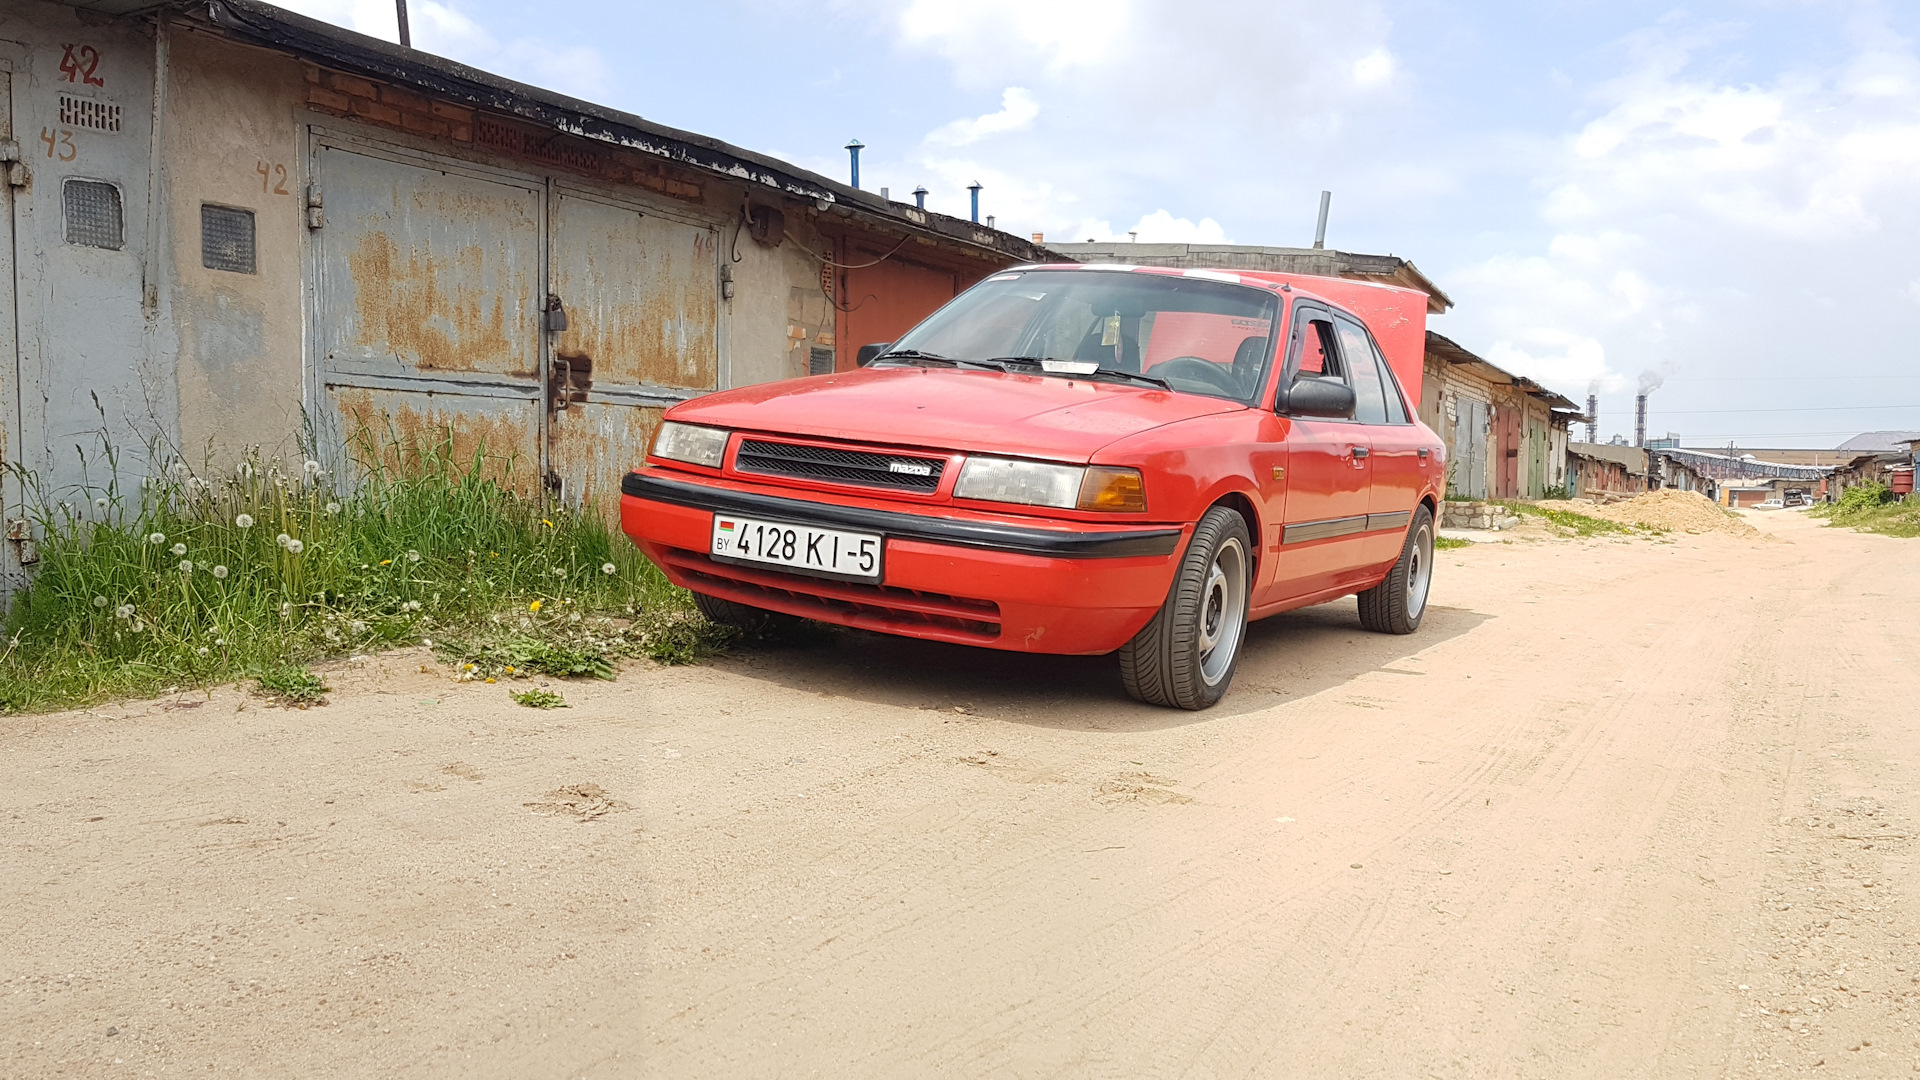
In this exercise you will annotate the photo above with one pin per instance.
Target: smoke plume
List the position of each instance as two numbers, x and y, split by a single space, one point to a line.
1650 380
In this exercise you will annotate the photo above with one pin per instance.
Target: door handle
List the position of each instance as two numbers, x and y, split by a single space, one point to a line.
1360 452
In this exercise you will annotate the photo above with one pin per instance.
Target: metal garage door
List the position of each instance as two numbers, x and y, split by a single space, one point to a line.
542 324
640 291
1469 453
426 318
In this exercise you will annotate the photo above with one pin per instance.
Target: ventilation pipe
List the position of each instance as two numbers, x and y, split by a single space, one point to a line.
975 189
406 35
1320 229
853 149
920 197
1593 418
1640 420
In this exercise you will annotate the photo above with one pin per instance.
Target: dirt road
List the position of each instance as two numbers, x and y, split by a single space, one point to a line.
1621 809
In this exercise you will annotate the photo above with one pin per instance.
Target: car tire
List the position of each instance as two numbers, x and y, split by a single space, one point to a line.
749 620
1397 604
1184 658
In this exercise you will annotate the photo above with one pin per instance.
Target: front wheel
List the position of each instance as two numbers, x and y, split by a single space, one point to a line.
1184 658
1396 604
749 620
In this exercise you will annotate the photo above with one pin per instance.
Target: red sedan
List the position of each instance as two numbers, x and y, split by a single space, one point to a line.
1075 460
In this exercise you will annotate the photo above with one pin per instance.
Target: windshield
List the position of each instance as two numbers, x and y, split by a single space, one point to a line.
1195 335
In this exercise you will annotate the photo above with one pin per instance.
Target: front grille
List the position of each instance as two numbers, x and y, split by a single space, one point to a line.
900 472
875 607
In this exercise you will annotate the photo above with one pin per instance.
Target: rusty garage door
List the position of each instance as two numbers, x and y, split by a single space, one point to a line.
638 293
540 323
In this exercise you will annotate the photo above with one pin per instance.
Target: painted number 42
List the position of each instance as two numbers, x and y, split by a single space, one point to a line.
79 64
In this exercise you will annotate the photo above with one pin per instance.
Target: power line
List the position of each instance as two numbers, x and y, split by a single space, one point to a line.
1652 412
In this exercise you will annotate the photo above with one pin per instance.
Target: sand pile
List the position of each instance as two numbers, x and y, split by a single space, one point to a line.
1674 511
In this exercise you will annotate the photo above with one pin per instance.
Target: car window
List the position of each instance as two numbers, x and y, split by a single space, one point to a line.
1396 405
1369 399
1199 335
1314 348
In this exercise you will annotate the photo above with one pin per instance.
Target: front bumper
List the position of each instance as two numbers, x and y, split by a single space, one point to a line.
949 575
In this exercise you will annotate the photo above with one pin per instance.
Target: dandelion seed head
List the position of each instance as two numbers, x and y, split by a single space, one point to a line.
558 572
124 611
413 556
608 568
286 610
99 601
220 572
295 547
282 539
219 641
179 549
244 521
100 503
186 566
156 539
313 468
202 650
333 508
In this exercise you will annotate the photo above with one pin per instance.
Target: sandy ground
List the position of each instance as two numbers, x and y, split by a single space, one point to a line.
1621 809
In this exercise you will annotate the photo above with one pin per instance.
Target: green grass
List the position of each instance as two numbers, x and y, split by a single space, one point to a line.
292 684
539 699
1873 508
1448 543
1579 524
191 578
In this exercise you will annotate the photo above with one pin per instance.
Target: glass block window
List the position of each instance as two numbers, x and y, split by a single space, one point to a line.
819 361
226 238
93 214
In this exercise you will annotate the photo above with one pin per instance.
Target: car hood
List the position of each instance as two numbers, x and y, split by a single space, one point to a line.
1039 416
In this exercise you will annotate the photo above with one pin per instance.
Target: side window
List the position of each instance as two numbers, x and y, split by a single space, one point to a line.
1369 397
1313 343
1396 405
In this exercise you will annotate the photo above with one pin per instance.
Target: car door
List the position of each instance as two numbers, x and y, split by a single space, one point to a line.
1402 457
1322 539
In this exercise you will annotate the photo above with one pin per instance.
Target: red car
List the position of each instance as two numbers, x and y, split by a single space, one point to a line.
1071 459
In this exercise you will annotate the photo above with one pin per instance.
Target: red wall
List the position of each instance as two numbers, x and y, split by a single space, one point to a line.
880 302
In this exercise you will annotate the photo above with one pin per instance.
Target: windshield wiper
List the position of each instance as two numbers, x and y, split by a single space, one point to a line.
1082 371
1134 375
916 354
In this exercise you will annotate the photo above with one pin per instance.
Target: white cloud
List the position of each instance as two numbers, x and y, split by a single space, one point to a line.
1017 111
1374 69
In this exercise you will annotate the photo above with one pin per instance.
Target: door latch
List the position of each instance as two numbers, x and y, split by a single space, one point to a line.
556 313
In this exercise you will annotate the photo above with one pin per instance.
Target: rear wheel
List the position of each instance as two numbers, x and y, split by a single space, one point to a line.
1184 658
1396 604
750 620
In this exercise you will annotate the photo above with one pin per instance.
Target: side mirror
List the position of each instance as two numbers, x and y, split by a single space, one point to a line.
869 353
1310 396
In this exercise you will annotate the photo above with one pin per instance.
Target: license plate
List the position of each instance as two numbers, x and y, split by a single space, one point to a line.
801 548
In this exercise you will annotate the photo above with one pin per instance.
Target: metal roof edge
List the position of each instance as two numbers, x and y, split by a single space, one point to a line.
272 27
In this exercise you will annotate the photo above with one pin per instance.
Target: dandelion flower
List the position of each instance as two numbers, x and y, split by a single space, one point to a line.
156 539
99 601
124 611
179 549
469 667
608 568
333 508
489 678
202 650
313 469
186 566
244 471
509 669
286 610
219 641
535 606
295 547
558 572
282 539
411 605
244 521
547 523
220 572
100 503
386 562
413 556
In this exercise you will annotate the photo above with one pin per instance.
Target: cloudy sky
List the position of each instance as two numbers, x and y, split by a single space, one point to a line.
1722 198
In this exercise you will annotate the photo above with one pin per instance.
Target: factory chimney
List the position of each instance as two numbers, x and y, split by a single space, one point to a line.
1640 420
1593 418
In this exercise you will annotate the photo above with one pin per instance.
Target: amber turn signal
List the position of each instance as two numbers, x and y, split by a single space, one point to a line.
1118 491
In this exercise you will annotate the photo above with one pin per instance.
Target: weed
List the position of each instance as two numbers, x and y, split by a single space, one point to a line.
292 684
1448 543
1578 524
191 576
537 698
1873 508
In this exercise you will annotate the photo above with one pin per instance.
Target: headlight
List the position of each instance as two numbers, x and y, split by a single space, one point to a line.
1067 487
693 445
